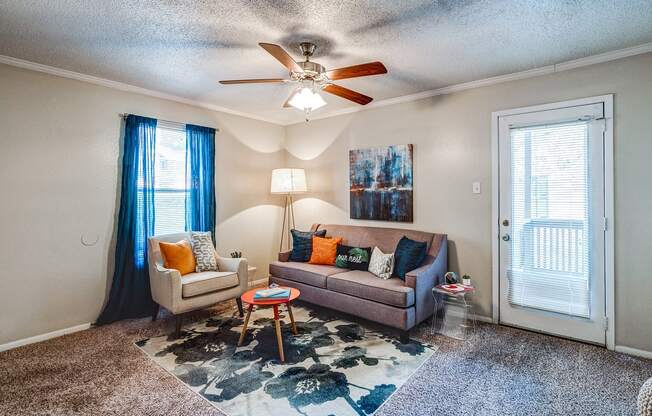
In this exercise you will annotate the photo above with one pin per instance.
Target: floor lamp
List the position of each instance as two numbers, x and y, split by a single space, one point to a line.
288 182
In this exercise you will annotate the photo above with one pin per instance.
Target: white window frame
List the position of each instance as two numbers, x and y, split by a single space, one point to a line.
607 101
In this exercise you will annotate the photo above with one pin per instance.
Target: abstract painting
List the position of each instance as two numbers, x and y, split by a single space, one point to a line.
381 183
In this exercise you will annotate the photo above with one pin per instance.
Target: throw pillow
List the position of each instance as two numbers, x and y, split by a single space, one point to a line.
204 251
354 258
381 264
324 250
302 244
409 255
178 256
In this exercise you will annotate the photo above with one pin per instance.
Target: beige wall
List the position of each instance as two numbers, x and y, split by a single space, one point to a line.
59 157
452 133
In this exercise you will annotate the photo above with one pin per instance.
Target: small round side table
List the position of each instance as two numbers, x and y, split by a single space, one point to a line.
248 298
445 298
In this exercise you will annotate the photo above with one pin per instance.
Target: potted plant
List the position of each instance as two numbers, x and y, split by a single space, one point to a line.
466 280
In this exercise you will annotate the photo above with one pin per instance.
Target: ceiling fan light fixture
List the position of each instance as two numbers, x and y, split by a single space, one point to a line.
313 76
306 100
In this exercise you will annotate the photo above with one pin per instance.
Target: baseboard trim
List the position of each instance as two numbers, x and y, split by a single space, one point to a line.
486 319
43 337
633 351
259 282
479 318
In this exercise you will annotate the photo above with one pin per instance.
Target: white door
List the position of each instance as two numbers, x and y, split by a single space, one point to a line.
552 221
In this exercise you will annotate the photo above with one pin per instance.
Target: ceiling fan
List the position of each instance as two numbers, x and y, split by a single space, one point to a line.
313 77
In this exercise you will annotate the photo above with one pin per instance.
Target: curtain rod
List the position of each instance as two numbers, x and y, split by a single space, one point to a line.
125 115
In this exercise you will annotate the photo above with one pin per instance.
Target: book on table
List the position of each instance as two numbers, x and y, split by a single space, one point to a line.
276 293
455 288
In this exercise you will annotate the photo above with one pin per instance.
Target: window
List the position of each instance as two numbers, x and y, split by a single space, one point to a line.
539 198
170 179
551 190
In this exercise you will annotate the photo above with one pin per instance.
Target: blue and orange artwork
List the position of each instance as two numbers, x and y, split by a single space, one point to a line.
381 183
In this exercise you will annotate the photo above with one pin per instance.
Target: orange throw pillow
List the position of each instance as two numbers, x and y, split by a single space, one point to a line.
178 256
324 250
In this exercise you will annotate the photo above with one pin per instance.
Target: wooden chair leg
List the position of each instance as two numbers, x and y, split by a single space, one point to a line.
240 310
155 312
177 325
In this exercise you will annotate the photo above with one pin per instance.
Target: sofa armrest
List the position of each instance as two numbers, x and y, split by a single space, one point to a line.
284 256
424 278
238 265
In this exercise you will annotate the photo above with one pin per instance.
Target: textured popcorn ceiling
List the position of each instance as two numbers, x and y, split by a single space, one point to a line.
185 47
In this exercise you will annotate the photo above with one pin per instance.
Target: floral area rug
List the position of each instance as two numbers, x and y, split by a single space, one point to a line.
332 367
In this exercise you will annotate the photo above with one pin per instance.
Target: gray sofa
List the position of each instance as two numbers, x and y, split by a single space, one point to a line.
392 302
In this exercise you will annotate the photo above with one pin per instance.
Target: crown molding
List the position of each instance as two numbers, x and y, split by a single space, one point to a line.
530 73
21 63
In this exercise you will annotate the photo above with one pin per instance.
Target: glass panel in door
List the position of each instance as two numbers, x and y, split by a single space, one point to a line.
551 186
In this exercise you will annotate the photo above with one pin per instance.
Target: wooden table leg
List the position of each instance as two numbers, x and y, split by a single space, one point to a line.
294 326
277 323
244 327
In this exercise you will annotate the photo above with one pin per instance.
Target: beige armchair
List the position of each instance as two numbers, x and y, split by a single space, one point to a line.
181 294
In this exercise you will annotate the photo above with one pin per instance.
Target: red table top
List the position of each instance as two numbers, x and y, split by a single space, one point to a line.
248 297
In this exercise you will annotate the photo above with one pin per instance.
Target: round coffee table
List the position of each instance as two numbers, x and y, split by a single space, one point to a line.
248 298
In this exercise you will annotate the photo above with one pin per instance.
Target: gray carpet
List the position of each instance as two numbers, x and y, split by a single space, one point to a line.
504 371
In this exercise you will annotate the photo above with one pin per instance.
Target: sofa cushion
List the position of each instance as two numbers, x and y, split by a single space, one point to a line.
195 284
302 244
385 239
310 274
324 250
353 258
408 256
381 264
365 285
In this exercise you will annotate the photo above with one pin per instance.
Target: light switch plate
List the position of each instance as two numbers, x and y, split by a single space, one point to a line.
476 187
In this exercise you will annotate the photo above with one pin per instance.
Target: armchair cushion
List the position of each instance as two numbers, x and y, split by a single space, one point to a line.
204 251
178 256
194 284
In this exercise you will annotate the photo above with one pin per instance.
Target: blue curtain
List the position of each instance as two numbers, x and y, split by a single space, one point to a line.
130 295
200 179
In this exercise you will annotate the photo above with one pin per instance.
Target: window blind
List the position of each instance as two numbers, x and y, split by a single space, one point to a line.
549 266
170 179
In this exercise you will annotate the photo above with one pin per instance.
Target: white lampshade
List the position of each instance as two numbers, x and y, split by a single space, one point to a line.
288 181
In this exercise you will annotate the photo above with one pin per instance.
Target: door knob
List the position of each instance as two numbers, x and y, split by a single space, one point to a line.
506 237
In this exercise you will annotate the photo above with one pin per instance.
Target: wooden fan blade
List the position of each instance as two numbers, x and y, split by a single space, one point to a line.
362 70
348 94
281 56
252 81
